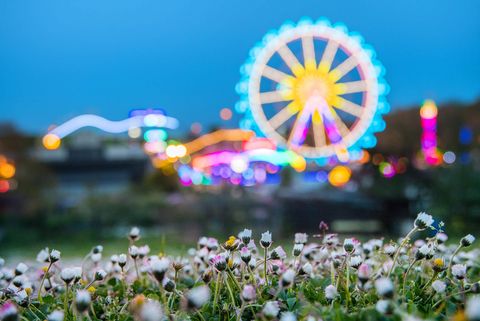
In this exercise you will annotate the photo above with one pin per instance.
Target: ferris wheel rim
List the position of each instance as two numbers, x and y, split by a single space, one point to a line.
364 64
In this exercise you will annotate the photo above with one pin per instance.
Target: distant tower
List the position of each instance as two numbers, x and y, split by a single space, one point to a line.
428 114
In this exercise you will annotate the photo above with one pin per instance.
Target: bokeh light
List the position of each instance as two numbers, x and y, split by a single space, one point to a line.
226 114
339 176
51 141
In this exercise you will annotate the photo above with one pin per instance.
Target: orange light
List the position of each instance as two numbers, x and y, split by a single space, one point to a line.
365 157
218 136
226 114
51 141
7 170
299 164
429 110
339 176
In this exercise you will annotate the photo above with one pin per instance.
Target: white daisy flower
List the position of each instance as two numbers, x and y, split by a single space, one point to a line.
271 309
198 296
439 286
331 292
423 221
459 271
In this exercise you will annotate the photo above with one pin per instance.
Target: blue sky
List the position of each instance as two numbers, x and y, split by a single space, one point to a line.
59 59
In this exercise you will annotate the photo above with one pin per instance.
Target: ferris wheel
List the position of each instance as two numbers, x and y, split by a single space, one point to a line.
315 89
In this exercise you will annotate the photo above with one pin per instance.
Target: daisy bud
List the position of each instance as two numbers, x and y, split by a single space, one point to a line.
133 251
21 269
364 272
202 242
245 254
423 221
467 240
348 245
19 280
114 259
54 256
8 312
297 249
271 309
245 236
82 300
439 286
77 273
198 296
472 310
212 244
355 261
143 251
96 257
331 239
218 261
21 298
159 268
288 316
168 284
278 253
301 238
422 252
252 264
134 234
266 240
67 275
307 269
207 275
151 310
248 293
323 227
389 249
475 287
122 260
43 255
331 292
384 307
97 249
288 277
384 287
459 271
100 275
56 315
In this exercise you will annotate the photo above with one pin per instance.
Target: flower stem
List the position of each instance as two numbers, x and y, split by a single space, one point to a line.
449 271
265 267
41 283
217 287
397 252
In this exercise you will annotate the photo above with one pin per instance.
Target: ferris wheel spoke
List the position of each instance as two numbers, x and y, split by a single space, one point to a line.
290 59
328 56
345 67
308 48
348 107
342 127
283 115
269 97
297 133
275 74
351 87
319 132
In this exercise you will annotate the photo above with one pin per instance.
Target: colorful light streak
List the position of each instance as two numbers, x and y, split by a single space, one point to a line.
53 138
